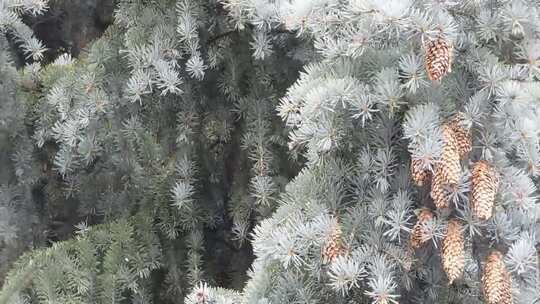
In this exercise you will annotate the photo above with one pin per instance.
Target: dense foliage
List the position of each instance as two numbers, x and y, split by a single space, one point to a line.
364 151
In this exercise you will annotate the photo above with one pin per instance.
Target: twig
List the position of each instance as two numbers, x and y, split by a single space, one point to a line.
228 33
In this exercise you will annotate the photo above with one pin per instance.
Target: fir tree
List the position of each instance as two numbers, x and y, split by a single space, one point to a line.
400 166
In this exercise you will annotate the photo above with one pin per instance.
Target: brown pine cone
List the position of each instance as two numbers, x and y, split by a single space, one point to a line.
496 281
334 245
462 135
484 186
418 232
450 159
439 193
452 252
438 58
419 175
507 297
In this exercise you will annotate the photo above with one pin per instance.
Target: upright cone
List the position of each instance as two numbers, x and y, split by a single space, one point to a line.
334 245
438 58
418 233
450 159
462 135
496 281
484 186
452 252
418 174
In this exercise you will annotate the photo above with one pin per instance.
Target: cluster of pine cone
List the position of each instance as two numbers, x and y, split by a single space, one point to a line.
496 282
484 185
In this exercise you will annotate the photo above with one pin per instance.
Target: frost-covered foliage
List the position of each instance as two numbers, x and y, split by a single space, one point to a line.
167 117
174 127
11 12
362 110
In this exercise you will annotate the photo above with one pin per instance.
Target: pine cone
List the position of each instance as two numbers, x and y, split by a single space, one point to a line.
419 175
485 184
450 159
462 135
418 232
507 289
334 245
448 171
452 255
496 281
438 58
439 193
